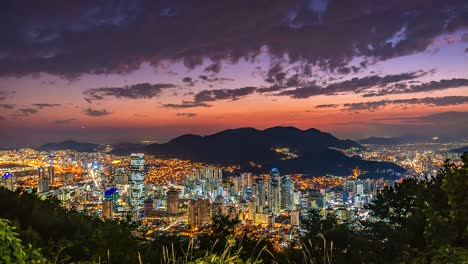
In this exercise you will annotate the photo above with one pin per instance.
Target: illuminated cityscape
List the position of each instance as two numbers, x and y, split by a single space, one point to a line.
233 132
181 197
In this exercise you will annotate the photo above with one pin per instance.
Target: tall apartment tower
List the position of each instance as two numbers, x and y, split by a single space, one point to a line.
51 172
173 202
260 192
199 213
137 184
274 192
43 183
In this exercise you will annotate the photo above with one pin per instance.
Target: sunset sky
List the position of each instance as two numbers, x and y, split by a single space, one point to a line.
110 71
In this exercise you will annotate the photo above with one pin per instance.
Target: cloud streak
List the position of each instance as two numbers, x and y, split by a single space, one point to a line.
95 112
428 101
66 121
186 104
135 91
41 106
187 114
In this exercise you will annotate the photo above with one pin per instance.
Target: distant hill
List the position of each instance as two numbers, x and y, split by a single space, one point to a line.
245 145
71 145
460 150
126 148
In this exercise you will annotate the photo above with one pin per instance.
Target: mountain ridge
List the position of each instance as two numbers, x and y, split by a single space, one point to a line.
315 150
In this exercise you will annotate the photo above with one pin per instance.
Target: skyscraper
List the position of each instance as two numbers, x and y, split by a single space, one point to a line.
137 184
287 193
199 213
274 187
51 174
173 202
43 183
260 192
107 208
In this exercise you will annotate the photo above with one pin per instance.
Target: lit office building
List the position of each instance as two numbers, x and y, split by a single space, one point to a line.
137 184
43 183
274 192
287 193
260 193
112 194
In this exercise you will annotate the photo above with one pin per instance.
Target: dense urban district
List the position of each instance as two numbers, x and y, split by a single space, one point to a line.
163 199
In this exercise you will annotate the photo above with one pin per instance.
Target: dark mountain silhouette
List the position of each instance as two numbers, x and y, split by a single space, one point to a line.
71 145
245 145
126 148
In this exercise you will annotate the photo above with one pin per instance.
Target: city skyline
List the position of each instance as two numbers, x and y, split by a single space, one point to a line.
153 71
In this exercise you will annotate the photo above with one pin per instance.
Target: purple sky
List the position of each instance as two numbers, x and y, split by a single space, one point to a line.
152 70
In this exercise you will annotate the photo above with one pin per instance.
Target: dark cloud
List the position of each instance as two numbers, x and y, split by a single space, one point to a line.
187 104
214 68
207 79
2 118
402 88
7 106
223 94
354 85
327 106
464 37
27 111
47 36
95 112
428 101
66 121
135 91
41 106
187 79
186 114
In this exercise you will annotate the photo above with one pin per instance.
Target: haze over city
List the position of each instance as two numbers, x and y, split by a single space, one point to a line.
145 70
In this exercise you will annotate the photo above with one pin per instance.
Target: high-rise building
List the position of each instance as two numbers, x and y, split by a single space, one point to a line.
359 189
260 192
173 202
148 207
295 218
51 172
217 206
7 181
199 213
137 184
112 194
316 200
43 183
287 193
274 194
107 208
